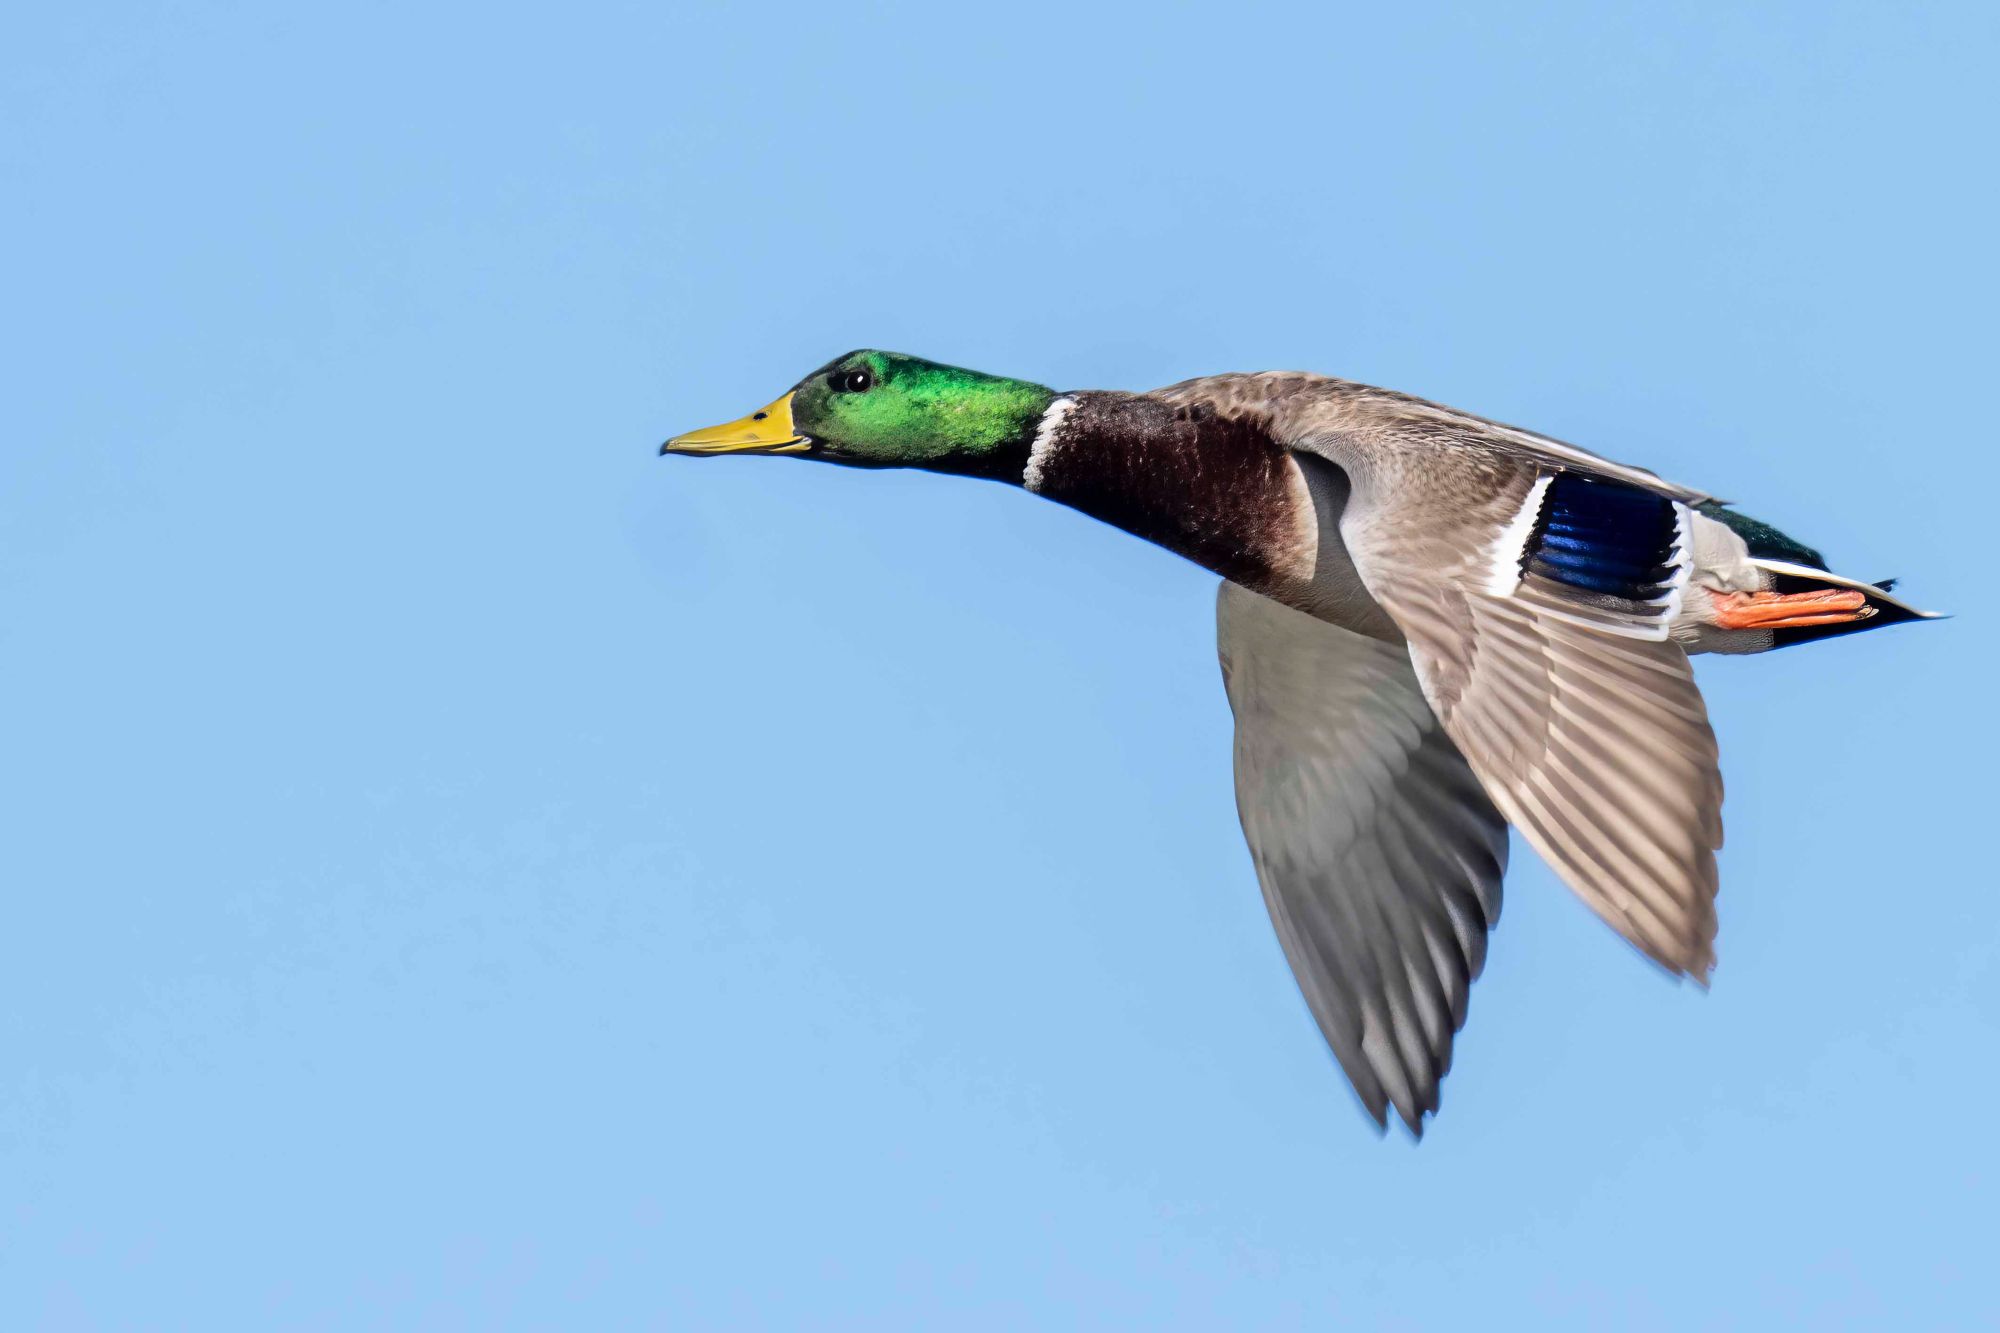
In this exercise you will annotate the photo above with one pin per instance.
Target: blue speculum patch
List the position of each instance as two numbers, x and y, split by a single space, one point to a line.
1603 537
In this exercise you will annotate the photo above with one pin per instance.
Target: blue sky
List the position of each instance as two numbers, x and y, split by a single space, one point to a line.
464 871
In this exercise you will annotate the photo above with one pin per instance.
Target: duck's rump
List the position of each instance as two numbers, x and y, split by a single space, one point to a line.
1740 559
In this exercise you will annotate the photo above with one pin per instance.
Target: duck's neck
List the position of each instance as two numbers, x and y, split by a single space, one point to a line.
1217 490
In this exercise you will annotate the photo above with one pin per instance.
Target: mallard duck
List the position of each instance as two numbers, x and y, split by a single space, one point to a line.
1431 626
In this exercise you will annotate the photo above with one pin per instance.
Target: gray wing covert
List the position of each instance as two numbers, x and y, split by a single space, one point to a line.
1379 854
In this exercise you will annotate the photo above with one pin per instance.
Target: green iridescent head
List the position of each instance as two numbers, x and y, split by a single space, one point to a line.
883 409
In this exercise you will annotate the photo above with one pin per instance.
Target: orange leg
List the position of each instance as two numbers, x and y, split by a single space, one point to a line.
1798 610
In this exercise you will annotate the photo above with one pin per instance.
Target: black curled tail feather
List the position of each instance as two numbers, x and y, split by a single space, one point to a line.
1760 538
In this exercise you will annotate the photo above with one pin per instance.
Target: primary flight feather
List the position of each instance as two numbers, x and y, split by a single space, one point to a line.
1431 626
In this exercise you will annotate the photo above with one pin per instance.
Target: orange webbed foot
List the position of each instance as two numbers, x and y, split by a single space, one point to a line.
1798 610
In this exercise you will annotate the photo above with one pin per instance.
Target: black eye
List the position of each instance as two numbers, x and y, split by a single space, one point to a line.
849 381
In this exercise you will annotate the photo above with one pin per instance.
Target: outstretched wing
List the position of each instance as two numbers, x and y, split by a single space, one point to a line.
1537 602
1379 854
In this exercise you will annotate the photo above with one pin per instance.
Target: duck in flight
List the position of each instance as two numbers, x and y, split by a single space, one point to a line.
1431 626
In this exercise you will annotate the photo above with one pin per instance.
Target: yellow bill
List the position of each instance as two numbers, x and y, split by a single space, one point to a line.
766 431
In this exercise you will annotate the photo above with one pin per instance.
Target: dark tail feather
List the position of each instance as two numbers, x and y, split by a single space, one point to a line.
1883 609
